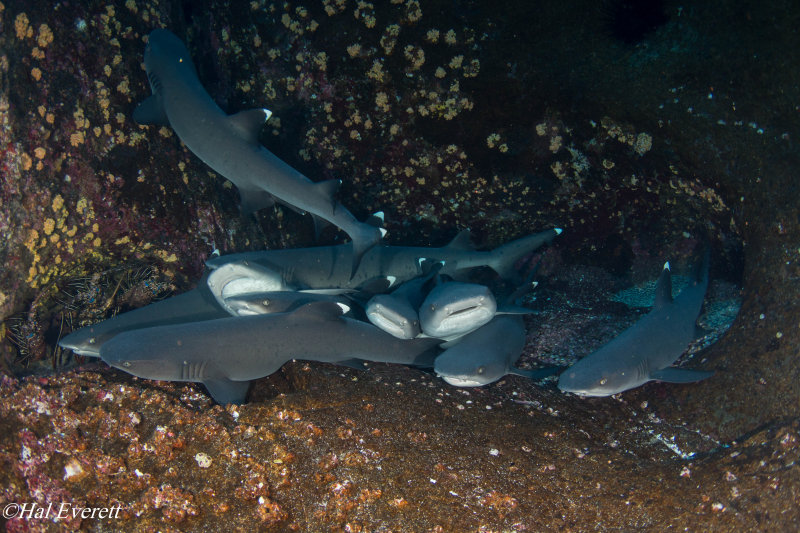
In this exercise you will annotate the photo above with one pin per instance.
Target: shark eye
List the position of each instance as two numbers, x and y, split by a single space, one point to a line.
92 340
603 381
266 302
126 364
481 369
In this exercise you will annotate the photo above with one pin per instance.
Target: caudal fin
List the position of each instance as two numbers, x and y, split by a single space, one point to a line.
504 257
366 237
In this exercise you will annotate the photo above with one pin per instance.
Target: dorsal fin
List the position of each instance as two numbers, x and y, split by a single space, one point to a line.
663 288
461 241
328 189
248 123
318 310
376 219
150 112
251 200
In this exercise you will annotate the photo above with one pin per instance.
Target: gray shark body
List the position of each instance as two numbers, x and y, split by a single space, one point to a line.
330 266
195 305
225 354
262 303
229 143
487 354
645 351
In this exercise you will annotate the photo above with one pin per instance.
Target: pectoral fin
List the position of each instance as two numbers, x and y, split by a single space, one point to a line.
680 375
225 391
251 200
538 373
150 112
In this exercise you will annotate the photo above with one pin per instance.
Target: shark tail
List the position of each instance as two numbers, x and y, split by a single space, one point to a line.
365 237
503 258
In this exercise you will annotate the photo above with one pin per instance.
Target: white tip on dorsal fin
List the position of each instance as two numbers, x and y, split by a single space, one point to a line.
345 307
383 232
558 231
663 288
391 280
375 220
248 123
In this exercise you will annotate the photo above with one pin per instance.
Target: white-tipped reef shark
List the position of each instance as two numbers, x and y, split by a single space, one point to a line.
262 303
242 278
454 309
323 267
645 351
229 143
225 354
487 354
396 313
195 305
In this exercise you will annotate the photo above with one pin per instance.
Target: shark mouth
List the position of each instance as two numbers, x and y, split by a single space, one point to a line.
394 323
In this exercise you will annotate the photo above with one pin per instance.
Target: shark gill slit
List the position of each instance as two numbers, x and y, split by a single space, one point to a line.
193 371
154 81
642 371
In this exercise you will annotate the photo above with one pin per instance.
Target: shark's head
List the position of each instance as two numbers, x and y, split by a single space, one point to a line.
235 279
472 368
146 364
165 54
86 341
453 309
393 316
591 379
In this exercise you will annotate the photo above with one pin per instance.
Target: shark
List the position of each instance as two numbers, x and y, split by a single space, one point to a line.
323 267
229 144
225 354
192 306
262 303
455 308
240 278
487 354
397 313
645 351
